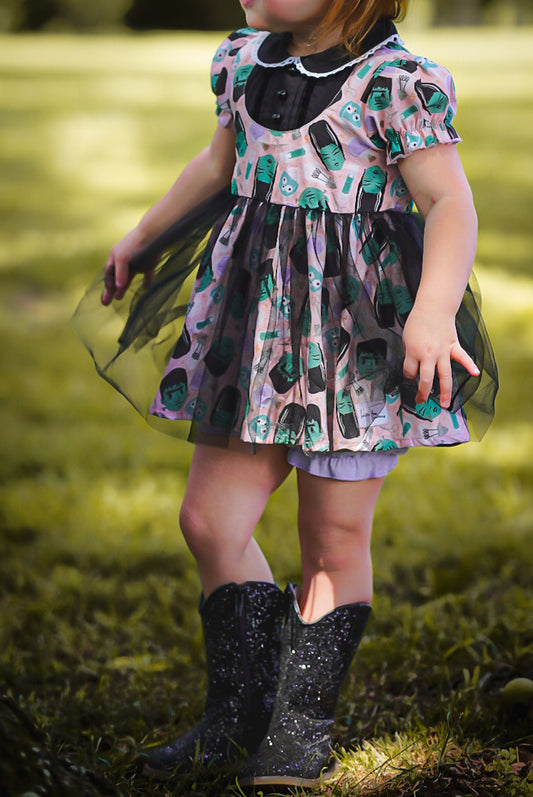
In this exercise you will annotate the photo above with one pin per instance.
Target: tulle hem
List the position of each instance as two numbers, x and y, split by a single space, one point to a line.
291 332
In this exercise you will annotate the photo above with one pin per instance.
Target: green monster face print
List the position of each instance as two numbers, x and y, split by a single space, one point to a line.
197 409
174 389
287 185
207 277
371 189
316 370
219 356
217 294
429 410
414 141
395 145
378 93
265 173
398 188
239 81
338 341
404 65
306 321
351 111
313 426
385 445
241 144
219 81
285 305
261 426
286 372
244 378
350 290
315 279
290 425
313 199
448 119
226 409
327 145
346 417
432 98
402 300
266 281
370 355
374 179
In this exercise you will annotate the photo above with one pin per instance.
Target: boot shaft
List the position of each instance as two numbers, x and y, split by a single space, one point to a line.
316 656
242 633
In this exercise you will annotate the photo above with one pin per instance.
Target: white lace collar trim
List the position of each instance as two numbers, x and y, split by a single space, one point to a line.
297 60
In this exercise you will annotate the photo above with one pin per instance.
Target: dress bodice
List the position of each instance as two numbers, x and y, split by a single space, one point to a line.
389 104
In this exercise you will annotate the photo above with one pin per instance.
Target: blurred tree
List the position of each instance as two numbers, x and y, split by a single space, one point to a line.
11 15
222 14
93 14
200 15
75 14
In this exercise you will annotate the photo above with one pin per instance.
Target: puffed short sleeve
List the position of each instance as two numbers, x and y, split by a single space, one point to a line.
410 104
222 74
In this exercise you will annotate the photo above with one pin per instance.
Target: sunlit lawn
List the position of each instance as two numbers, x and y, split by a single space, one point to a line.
99 636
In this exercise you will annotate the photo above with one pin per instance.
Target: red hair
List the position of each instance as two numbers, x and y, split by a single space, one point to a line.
356 18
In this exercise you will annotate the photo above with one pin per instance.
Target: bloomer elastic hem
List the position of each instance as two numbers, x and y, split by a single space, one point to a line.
350 466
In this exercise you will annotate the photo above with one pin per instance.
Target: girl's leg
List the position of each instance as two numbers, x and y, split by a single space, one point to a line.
335 525
241 614
322 630
226 494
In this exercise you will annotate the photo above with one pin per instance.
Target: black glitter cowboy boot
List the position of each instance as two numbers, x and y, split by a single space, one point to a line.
242 628
315 658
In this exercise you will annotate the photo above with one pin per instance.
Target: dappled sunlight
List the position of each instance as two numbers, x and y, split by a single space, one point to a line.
100 630
122 514
499 248
99 151
476 75
381 762
157 52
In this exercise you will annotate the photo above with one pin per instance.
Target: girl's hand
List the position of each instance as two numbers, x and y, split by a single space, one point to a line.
117 271
430 344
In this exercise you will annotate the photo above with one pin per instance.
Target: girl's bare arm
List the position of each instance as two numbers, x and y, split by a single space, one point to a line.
438 184
206 174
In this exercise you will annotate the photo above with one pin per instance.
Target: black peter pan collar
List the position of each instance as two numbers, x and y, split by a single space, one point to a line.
273 52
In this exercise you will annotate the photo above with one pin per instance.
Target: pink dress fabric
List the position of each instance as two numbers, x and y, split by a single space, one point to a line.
293 330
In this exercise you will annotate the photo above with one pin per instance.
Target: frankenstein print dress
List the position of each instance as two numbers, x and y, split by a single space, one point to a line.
305 271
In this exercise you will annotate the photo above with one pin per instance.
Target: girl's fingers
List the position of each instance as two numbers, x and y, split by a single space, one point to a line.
117 278
425 382
460 356
444 370
109 282
410 368
121 278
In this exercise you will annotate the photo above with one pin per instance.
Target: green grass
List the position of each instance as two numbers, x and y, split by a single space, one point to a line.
99 636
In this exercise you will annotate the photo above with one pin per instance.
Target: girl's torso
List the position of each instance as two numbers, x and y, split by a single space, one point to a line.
327 131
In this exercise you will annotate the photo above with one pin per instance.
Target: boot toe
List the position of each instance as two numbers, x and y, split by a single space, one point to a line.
298 765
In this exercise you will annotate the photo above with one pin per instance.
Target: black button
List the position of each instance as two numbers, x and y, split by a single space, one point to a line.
293 69
282 93
276 117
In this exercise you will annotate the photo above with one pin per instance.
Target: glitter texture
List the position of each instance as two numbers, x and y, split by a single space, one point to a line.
242 628
315 658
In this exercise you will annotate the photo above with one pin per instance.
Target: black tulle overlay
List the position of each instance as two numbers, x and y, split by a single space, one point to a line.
291 332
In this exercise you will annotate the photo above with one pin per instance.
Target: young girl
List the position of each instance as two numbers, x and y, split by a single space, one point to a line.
327 331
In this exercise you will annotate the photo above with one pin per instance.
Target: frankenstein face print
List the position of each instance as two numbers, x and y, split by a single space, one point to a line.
174 389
